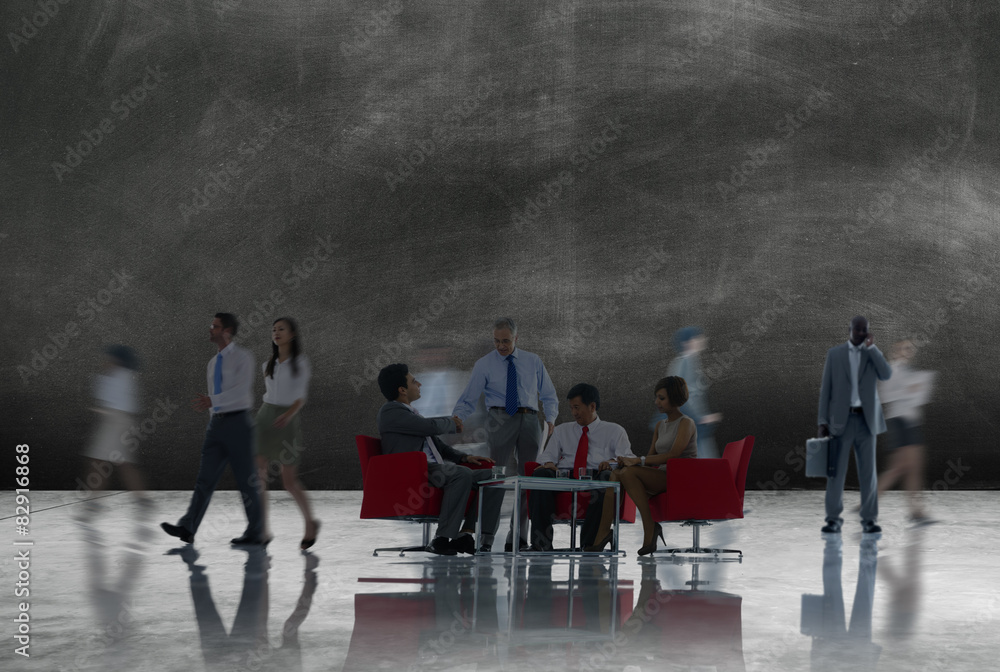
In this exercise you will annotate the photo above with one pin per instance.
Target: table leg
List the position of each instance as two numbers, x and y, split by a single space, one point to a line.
479 521
617 506
517 518
572 525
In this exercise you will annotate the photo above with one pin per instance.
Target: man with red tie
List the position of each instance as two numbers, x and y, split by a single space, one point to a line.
589 443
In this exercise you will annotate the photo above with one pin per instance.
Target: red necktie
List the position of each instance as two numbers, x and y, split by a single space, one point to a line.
581 453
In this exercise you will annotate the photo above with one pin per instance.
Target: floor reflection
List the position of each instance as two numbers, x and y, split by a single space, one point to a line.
246 645
543 614
837 644
904 579
113 577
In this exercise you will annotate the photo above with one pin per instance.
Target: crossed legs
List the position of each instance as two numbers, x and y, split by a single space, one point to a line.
639 483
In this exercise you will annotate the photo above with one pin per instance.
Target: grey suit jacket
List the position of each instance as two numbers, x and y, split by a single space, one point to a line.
403 431
835 390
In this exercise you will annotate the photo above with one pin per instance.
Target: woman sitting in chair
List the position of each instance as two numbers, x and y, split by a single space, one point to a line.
674 436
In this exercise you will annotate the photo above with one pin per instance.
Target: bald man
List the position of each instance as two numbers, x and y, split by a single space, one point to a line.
851 414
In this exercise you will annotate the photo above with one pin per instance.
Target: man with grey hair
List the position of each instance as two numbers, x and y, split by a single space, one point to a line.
514 381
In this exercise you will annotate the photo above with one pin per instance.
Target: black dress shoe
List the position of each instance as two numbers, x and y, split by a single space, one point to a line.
250 541
486 548
441 546
179 532
509 547
831 528
464 544
869 527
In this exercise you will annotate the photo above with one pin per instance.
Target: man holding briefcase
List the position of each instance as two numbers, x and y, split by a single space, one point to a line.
851 414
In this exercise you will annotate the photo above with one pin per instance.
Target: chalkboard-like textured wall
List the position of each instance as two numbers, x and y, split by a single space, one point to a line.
395 175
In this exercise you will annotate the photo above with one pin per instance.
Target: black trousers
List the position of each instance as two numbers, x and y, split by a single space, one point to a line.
542 506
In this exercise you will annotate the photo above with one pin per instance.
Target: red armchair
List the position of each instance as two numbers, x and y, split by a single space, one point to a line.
395 487
700 490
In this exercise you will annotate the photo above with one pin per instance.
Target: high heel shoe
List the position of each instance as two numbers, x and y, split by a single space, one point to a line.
597 548
308 543
650 548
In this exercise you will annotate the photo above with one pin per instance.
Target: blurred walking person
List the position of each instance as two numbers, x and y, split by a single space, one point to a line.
903 397
116 402
690 342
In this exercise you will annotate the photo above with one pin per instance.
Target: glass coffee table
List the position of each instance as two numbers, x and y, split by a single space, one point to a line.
519 483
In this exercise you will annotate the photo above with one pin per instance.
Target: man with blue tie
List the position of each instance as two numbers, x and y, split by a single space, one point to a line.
229 437
850 413
514 381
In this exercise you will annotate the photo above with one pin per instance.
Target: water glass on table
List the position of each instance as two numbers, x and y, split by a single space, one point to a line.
499 472
583 474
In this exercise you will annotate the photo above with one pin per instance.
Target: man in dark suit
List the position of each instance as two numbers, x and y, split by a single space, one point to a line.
851 414
404 430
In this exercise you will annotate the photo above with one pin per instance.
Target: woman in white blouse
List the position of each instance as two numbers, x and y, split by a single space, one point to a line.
278 439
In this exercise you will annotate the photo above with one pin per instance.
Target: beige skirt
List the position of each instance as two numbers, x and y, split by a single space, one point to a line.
284 445
109 443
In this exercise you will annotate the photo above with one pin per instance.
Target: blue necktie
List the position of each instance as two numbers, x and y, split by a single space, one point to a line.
218 377
512 405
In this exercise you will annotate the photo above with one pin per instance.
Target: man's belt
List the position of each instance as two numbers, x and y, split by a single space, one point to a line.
522 409
858 410
228 413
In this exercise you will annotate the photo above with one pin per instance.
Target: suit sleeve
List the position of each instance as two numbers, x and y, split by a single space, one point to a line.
882 368
401 421
823 417
447 452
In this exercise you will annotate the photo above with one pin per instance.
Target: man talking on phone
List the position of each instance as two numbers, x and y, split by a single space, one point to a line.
851 414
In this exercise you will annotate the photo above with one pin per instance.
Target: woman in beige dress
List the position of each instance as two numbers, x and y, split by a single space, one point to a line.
674 436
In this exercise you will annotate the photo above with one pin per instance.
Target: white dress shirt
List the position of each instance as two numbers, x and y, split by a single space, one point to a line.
904 395
237 380
606 440
489 376
284 389
854 358
116 390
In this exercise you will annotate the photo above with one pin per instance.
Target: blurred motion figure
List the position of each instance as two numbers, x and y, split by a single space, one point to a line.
116 402
690 342
904 396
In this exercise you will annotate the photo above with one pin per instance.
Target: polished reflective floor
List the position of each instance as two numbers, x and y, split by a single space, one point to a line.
110 591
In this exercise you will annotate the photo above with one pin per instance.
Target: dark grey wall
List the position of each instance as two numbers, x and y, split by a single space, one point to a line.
603 172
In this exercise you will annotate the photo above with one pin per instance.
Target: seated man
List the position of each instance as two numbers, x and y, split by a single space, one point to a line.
589 442
404 430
